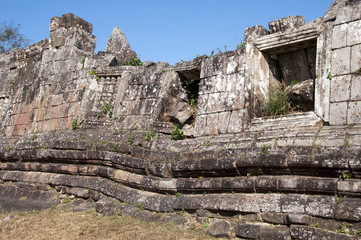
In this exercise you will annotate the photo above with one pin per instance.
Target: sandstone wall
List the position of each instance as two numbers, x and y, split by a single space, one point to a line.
95 126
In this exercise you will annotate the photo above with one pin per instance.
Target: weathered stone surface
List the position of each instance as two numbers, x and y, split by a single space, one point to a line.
248 230
338 113
348 209
340 63
286 24
301 94
302 219
340 88
254 32
233 164
119 46
305 232
272 217
182 112
278 232
15 199
339 35
220 228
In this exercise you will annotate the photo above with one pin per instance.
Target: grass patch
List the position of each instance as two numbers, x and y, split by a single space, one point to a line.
277 103
60 224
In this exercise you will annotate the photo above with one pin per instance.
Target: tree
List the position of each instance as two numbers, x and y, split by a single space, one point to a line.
11 38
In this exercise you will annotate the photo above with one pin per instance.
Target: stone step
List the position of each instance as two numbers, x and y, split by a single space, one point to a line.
298 120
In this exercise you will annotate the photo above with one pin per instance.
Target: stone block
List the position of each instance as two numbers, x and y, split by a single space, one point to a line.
355 58
285 24
320 206
340 88
220 228
212 124
338 113
356 86
200 125
270 202
340 62
248 231
320 185
219 85
216 102
294 218
266 184
235 100
354 33
354 113
212 66
202 104
349 187
349 210
223 120
252 33
310 233
339 33
272 217
231 83
221 184
275 233
293 204
182 112
243 184
291 184
236 121
248 203
348 13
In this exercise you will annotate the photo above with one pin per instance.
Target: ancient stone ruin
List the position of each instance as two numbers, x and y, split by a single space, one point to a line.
205 138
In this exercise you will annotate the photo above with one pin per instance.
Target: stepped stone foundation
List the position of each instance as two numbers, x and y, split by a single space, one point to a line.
94 127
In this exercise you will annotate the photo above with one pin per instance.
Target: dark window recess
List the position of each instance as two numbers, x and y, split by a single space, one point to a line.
295 72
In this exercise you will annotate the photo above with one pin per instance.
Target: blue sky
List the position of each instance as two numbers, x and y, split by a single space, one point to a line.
160 30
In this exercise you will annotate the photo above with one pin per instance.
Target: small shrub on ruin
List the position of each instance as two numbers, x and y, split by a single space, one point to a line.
177 133
74 124
277 103
135 62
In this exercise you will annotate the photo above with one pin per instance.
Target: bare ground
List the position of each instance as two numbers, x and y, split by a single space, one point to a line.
64 224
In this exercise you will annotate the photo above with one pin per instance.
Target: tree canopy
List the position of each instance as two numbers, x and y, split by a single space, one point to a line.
11 38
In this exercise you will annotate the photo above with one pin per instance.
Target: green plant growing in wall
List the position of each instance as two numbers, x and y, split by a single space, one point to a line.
177 133
33 137
343 228
207 144
74 124
106 110
191 87
135 62
277 103
149 135
130 138
344 176
294 82
212 54
82 61
339 199
93 73
329 76
240 45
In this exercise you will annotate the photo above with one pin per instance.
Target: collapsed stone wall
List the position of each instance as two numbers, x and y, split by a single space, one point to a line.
98 127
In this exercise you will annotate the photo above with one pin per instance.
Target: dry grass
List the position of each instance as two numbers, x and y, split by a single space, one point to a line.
61 224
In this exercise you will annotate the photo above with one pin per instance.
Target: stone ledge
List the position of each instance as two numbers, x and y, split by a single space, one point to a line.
252 184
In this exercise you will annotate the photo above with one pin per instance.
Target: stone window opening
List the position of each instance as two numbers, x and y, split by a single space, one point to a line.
293 70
